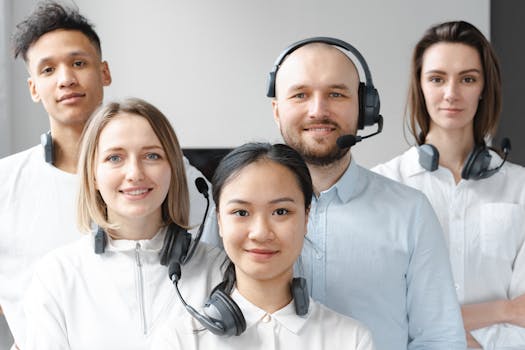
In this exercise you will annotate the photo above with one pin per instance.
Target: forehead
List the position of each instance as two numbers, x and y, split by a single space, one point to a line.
317 62
451 56
127 129
274 178
60 42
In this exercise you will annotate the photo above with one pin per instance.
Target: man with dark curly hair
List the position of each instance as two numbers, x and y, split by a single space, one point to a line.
38 186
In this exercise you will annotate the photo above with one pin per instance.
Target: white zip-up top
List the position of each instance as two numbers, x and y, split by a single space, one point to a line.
115 300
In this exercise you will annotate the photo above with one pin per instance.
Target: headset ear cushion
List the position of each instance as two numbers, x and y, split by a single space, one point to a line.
476 164
428 156
229 313
362 105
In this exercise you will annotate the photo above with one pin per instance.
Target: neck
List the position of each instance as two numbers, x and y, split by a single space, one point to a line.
454 148
324 177
135 230
269 295
66 147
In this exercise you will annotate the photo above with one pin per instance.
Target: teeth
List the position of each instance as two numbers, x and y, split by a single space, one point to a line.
320 129
136 192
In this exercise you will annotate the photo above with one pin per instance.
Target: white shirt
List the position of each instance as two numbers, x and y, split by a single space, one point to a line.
115 300
38 214
321 328
484 226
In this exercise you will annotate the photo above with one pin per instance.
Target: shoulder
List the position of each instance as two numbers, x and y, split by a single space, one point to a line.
390 189
340 324
516 171
64 260
207 262
399 167
11 164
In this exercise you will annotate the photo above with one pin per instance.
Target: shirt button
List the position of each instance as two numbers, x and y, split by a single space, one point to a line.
267 318
456 286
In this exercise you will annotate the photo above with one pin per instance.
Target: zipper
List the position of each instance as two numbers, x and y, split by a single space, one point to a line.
140 285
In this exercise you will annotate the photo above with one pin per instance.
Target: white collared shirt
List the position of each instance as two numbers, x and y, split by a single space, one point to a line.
484 226
321 328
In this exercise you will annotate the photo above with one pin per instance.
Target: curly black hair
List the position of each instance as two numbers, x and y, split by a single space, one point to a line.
49 16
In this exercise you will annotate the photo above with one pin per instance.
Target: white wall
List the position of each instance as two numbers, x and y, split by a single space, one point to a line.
205 63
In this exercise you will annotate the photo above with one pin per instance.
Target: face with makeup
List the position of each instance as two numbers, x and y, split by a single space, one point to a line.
132 172
452 84
262 230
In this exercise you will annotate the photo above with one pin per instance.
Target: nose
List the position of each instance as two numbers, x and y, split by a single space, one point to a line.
260 230
318 106
66 77
134 170
451 91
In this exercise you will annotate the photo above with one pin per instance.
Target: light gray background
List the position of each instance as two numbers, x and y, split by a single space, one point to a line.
205 63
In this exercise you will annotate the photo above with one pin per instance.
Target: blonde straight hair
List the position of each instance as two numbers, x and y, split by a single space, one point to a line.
91 207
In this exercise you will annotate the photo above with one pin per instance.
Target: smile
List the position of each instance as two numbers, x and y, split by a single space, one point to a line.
135 192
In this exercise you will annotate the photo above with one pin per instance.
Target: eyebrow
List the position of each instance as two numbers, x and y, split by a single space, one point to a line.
71 54
333 86
273 201
119 148
437 71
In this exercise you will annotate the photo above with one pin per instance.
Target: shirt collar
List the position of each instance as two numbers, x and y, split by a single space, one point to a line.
154 244
347 186
412 167
285 316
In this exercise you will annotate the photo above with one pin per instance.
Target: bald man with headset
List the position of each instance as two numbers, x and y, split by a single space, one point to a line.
374 249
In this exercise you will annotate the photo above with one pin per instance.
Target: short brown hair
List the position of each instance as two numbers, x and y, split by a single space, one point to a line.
489 107
91 207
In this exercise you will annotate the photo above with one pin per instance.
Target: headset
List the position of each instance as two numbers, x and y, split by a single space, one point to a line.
476 166
369 103
47 142
221 314
178 245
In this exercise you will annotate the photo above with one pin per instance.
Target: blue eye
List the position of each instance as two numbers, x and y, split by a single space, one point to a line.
152 156
113 158
335 94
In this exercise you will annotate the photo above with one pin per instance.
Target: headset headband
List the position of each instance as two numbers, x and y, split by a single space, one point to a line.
320 39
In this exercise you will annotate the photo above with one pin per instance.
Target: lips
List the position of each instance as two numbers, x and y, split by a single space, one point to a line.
261 253
136 192
70 96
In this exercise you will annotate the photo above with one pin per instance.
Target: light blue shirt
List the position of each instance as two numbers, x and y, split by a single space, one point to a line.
375 251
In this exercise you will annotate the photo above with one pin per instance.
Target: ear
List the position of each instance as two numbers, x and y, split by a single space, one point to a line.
106 74
275 109
32 90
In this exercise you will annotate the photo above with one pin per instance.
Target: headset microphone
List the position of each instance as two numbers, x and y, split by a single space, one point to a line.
202 187
347 141
213 325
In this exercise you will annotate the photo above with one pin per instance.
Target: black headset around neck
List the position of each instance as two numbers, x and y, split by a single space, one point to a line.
369 102
221 315
47 142
178 245
476 166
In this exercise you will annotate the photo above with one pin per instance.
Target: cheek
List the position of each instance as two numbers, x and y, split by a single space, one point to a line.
232 236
